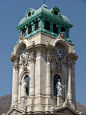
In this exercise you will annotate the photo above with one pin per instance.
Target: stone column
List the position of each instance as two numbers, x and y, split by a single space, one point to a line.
20 82
48 83
69 93
59 101
48 76
15 83
32 79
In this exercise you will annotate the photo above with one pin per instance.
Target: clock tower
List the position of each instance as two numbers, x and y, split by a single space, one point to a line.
43 65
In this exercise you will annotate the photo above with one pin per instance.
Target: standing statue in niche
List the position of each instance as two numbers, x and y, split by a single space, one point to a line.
24 86
59 87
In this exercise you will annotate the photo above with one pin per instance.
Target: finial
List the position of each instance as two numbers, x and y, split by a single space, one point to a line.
44 1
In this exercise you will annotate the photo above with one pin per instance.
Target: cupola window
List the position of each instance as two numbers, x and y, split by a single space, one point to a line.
36 25
29 29
29 13
55 28
63 30
47 25
24 31
56 77
55 12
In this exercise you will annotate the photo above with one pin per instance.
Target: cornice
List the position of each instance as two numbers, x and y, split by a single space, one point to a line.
72 57
13 57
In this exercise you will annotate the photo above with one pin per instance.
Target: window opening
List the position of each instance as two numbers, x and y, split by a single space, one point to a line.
63 30
29 13
47 25
55 28
36 25
24 32
29 29
27 82
55 12
56 77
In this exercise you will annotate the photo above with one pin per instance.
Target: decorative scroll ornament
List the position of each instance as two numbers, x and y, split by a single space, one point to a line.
59 66
48 59
16 65
24 54
32 59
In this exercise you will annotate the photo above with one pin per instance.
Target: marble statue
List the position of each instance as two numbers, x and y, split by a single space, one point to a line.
24 86
59 87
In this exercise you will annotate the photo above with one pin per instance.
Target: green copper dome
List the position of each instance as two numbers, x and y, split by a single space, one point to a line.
44 10
65 19
22 21
49 21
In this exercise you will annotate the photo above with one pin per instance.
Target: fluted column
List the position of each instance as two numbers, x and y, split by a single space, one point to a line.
48 85
15 83
32 79
69 93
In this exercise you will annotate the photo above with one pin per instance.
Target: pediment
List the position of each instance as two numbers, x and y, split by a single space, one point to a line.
67 111
14 111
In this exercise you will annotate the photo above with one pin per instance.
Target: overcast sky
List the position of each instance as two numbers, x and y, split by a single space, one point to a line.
11 12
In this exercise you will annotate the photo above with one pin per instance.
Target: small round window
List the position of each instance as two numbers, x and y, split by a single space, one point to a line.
55 12
29 13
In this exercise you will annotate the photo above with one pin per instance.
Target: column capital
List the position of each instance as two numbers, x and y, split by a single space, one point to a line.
69 64
32 60
49 59
19 83
15 64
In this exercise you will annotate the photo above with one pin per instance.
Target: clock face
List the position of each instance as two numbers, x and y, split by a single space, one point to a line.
24 53
59 51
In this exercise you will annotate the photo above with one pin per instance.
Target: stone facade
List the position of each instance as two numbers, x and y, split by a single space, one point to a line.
41 65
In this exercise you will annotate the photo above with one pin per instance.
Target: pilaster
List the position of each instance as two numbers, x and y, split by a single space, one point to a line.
48 76
69 93
32 79
15 83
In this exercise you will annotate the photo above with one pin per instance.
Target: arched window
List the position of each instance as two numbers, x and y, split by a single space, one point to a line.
56 77
27 82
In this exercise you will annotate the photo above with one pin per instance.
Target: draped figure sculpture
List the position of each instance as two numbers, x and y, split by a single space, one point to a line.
59 87
24 86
